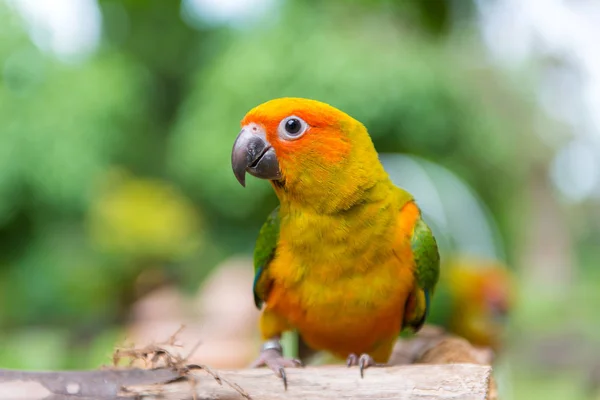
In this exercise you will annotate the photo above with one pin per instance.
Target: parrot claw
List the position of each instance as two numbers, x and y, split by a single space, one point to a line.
351 360
364 361
272 357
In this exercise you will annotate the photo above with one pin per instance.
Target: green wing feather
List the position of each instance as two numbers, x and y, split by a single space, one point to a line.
427 272
264 252
426 255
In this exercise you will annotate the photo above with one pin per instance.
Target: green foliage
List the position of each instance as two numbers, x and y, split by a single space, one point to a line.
62 128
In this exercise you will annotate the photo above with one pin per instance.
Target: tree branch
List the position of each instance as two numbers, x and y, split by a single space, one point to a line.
422 382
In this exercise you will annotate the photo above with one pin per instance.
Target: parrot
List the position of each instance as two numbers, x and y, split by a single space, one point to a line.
345 259
474 297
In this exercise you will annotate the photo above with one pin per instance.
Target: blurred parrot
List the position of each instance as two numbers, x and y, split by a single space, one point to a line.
473 299
345 259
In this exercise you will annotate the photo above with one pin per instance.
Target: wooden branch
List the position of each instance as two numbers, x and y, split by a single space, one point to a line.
101 384
422 382
446 368
434 382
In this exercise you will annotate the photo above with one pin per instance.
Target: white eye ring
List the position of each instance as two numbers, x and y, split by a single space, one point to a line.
292 128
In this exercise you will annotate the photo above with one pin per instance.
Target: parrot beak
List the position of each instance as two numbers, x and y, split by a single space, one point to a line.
253 153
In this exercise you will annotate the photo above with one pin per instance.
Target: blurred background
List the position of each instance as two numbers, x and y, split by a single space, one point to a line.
120 217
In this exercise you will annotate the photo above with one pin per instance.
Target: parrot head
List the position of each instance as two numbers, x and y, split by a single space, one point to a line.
307 149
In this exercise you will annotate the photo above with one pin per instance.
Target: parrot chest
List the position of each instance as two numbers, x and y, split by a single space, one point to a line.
342 286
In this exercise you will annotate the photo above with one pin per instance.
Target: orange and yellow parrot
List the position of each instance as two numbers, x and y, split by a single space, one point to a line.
345 259
473 299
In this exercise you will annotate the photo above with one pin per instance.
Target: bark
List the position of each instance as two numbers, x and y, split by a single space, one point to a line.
423 382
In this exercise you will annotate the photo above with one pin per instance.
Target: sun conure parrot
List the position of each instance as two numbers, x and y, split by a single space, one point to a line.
473 299
345 259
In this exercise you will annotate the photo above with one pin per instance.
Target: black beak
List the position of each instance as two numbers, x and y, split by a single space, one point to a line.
253 153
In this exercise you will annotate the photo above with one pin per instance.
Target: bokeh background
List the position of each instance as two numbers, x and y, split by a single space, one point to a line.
120 217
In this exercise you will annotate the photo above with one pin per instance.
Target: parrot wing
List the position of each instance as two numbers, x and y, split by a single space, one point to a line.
266 244
427 271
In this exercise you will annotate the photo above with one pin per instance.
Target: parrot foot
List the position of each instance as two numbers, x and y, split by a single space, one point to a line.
364 361
271 355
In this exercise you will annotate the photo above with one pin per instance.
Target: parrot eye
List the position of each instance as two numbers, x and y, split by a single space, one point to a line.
292 128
